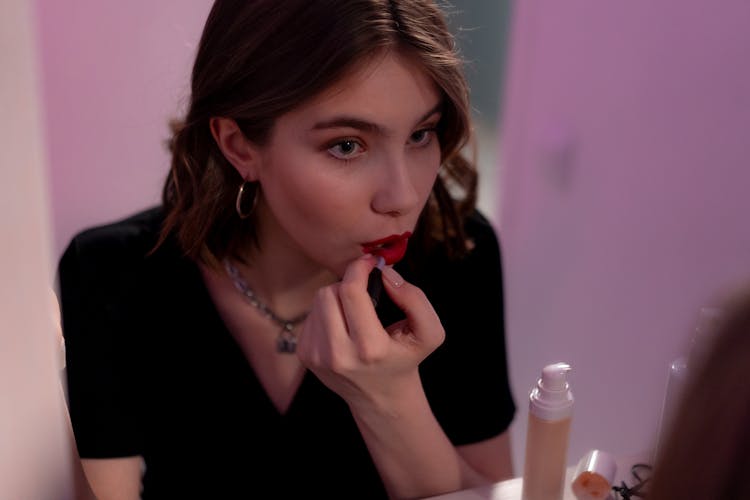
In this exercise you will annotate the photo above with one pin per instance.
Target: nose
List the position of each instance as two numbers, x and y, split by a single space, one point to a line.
396 192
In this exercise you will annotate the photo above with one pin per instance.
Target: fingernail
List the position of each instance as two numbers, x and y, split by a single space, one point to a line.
392 276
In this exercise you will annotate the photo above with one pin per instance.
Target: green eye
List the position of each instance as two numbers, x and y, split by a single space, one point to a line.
346 149
422 137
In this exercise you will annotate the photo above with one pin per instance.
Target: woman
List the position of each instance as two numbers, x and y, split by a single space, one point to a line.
225 343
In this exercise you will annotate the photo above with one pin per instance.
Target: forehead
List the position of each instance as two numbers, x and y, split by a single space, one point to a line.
386 87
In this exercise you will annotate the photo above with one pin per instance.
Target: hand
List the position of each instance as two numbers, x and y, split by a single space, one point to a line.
345 345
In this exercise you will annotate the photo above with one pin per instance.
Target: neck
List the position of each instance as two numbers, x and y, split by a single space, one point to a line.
283 277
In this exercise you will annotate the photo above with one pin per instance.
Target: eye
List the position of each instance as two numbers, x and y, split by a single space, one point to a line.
422 137
346 149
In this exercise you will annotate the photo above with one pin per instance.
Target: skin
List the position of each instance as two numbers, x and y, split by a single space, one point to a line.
353 165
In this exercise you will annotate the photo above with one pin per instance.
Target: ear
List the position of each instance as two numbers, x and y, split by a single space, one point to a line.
237 149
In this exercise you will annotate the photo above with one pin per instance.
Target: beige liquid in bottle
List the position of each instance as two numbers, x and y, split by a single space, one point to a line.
550 413
546 449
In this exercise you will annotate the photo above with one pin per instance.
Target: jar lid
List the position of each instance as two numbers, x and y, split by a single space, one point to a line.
594 476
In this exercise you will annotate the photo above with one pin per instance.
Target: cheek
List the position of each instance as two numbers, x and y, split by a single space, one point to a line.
428 171
317 199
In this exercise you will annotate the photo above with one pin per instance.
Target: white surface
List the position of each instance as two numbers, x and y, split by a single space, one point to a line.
511 489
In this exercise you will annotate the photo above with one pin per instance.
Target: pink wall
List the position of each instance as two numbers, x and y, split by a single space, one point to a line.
113 73
623 197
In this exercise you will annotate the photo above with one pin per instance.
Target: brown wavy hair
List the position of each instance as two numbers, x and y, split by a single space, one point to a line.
258 59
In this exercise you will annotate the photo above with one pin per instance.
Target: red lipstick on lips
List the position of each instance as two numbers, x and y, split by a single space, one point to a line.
392 248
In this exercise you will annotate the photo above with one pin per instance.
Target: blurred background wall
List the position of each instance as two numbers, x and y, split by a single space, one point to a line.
114 74
612 147
623 197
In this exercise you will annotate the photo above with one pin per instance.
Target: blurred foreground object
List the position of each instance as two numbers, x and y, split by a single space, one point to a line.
35 456
706 452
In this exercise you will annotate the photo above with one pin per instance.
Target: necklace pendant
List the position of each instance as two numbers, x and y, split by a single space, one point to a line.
286 343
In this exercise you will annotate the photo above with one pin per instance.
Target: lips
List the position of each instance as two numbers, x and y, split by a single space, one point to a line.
391 248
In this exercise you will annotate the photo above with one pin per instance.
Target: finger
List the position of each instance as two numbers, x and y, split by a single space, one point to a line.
324 332
421 319
361 320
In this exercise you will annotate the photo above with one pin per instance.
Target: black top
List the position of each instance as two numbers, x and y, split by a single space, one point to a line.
153 371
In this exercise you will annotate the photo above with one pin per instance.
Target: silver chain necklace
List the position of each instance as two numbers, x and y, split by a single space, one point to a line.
286 342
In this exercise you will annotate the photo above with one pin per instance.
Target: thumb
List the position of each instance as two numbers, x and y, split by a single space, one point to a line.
422 320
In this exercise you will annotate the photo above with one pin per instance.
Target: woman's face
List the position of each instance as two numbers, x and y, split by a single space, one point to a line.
353 166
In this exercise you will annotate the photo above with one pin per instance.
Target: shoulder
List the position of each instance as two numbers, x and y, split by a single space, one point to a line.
482 243
480 233
135 234
483 260
439 273
113 252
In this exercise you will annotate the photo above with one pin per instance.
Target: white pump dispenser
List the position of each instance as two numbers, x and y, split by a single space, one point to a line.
550 413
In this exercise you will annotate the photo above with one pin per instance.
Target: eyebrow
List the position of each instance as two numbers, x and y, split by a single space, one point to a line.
364 125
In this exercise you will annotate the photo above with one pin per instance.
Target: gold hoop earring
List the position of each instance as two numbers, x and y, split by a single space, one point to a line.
238 201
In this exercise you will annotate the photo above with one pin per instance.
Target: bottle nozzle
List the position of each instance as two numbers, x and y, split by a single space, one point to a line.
554 376
551 398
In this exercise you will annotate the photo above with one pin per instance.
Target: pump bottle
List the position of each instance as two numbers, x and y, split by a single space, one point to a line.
550 413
